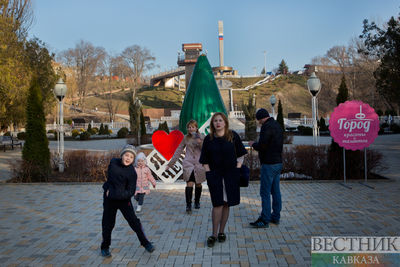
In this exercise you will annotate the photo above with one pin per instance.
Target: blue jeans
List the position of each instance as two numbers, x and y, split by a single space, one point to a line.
270 177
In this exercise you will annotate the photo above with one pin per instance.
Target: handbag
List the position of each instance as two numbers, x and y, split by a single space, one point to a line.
244 176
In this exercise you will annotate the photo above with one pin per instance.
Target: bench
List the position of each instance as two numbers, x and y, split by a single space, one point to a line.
9 141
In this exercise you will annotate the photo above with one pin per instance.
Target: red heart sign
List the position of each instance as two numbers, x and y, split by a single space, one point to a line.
165 143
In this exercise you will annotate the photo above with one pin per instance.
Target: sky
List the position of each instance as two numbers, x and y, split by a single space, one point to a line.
293 30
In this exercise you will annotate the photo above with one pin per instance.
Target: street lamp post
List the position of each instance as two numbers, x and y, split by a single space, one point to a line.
139 106
314 86
60 90
272 100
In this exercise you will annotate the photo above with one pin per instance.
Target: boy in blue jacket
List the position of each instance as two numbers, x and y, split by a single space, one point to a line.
118 190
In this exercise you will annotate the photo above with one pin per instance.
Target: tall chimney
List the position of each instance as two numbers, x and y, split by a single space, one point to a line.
221 42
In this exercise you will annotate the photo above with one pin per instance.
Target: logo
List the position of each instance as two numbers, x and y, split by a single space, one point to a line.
355 250
354 125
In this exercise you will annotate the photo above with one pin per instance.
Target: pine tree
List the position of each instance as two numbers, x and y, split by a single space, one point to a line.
279 118
101 130
343 94
335 154
249 111
89 129
142 124
134 115
163 126
36 153
283 68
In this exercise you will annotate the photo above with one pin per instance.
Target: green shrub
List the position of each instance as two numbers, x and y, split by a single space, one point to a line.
21 135
303 130
7 134
322 125
74 133
321 162
106 130
90 129
84 135
101 130
95 130
395 128
354 162
390 112
123 132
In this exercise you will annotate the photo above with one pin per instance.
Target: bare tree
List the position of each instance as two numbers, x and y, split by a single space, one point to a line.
339 56
358 70
108 84
121 68
139 60
21 14
86 59
364 67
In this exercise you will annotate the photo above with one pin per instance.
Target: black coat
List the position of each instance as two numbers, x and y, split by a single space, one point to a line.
121 180
221 155
270 143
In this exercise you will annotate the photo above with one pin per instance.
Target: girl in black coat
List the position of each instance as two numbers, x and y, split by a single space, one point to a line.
222 156
118 190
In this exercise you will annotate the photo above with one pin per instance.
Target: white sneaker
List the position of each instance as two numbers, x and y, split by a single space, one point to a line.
139 208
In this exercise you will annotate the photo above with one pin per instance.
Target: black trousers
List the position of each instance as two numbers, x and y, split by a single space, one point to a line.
140 197
108 222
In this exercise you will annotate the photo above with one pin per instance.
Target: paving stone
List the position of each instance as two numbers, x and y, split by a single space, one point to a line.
61 225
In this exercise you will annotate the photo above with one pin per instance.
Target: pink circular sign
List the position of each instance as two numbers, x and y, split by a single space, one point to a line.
354 125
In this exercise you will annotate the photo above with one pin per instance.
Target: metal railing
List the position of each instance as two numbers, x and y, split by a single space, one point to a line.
237 114
168 72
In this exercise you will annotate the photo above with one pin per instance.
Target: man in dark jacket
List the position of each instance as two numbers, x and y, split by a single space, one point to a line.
269 147
118 190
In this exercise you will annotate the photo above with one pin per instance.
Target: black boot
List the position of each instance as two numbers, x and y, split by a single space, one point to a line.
197 194
189 194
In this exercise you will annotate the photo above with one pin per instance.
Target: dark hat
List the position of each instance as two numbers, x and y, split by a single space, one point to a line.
261 114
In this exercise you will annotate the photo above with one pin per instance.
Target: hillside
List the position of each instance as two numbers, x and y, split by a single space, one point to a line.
291 90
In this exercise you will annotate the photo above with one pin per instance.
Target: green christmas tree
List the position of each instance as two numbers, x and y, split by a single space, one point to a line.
36 154
202 96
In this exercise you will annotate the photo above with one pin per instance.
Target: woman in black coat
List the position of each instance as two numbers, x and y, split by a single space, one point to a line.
222 156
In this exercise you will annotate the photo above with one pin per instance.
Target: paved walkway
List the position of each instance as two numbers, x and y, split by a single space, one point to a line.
60 225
